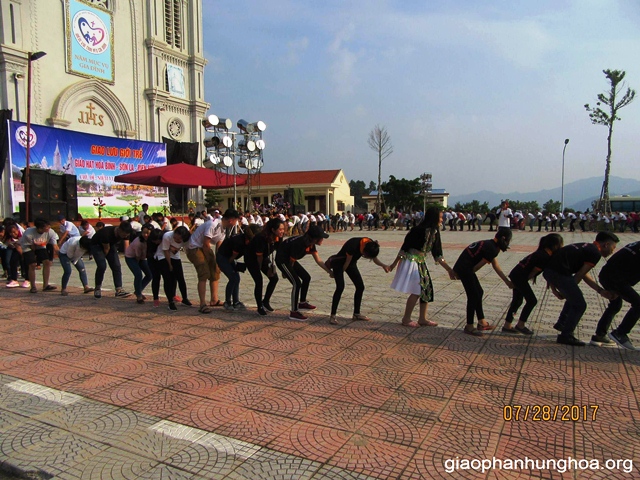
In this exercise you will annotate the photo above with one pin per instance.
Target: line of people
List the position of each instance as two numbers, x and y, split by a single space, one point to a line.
213 248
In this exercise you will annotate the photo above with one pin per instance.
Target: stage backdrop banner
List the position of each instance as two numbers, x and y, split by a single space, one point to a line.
95 160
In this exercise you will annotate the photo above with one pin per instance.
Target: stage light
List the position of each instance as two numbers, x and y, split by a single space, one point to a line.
247 145
260 144
213 121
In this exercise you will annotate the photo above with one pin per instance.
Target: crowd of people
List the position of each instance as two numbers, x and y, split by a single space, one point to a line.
215 242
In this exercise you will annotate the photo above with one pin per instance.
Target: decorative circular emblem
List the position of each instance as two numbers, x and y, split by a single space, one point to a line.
176 128
21 137
90 32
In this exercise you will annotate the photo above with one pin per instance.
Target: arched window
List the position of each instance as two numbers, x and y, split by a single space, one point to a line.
105 4
173 22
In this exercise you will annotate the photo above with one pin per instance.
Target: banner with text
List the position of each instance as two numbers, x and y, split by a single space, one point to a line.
94 159
89 36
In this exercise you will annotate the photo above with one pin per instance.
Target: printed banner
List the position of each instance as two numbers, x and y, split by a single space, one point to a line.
94 159
89 35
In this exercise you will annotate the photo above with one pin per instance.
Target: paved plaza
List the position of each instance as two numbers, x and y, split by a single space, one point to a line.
109 389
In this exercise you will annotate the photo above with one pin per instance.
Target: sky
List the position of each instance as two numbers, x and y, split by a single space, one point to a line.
481 94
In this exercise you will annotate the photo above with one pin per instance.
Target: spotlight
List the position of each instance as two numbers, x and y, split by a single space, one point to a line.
227 161
211 140
213 121
247 145
260 144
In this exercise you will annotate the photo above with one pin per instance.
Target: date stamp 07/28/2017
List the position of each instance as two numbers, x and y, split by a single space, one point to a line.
550 413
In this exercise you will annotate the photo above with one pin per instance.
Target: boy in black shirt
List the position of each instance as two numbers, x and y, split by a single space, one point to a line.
472 259
619 275
287 256
566 269
104 249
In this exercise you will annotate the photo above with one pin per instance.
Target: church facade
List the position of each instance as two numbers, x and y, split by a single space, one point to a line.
132 69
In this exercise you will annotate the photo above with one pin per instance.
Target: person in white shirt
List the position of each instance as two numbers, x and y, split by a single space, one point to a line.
623 221
86 229
67 229
505 216
168 256
572 220
561 219
39 243
532 220
71 253
135 256
200 253
143 213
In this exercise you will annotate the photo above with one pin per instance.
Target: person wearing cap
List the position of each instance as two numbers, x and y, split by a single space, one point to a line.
200 253
287 256
67 229
472 259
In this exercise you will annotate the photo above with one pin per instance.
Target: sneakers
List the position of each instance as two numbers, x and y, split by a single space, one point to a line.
228 306
267 306
239 306
601 341
177 299
172 307
13 284
523 330
122 294
306 306
622 340
97 293
156 302
262 312
297 316
570 340
25 284
64 293
186 302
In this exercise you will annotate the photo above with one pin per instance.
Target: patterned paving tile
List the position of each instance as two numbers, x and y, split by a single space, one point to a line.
207 414
313 442
256 427
361 393
342 415
373 457
286 403
318 385
111 463
125 393
201 384
269 464
164 403
401 429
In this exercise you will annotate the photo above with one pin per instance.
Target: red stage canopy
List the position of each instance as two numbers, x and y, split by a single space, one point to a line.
180 175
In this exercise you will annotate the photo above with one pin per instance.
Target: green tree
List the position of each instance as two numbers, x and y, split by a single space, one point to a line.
380 142
552 206
472 206
612 102
400 193
372 187
358 189
212 198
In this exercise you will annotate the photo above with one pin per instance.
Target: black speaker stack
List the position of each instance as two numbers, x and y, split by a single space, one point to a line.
50 194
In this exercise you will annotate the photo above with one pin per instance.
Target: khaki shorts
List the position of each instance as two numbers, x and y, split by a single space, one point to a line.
206 270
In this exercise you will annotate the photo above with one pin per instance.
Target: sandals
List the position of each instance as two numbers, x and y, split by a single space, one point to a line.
410 324
360 317
49 288
217 303
205 309
486 328
473 331
428 323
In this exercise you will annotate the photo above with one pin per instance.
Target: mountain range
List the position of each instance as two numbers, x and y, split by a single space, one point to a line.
577 195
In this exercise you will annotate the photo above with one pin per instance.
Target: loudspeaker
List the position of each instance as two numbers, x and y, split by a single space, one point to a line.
56 188
72 210
46 210
70 187
38 184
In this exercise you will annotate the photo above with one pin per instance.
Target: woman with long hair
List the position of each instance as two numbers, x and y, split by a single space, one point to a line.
260 259
413 275
529 268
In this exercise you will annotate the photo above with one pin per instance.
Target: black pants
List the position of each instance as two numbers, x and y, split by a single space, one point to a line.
474 292
299 278
256 273
154 265
625 292
521 291
572 227
354 274
174 278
